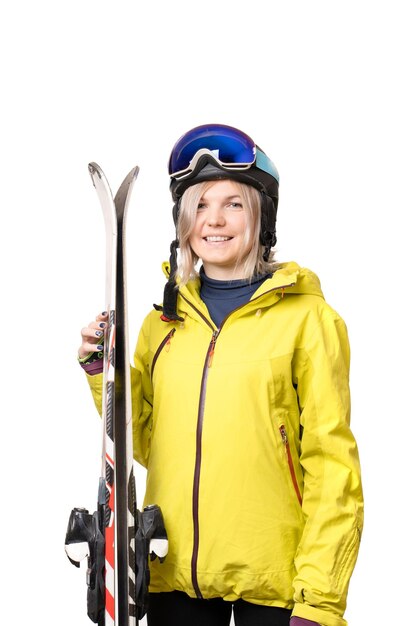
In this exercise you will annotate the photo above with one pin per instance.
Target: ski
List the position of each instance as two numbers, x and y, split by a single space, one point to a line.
117 538
125 482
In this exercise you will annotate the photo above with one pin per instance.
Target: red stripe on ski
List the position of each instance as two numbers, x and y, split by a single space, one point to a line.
110 532
110 544
109 459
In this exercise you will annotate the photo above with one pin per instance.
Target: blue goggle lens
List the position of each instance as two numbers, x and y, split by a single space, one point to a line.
229 145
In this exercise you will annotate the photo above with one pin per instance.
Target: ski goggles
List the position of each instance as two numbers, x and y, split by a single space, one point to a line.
230 147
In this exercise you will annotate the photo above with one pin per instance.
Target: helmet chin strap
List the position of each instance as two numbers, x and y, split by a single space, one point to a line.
169 307
268 236
176 211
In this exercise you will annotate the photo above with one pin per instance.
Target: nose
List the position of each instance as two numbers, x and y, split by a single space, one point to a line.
215 217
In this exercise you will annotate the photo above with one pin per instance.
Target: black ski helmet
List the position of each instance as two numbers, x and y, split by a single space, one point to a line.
215 152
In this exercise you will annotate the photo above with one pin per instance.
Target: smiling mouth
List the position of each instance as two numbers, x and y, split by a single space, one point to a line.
214 238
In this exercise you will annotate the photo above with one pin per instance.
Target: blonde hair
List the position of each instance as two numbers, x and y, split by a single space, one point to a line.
254 263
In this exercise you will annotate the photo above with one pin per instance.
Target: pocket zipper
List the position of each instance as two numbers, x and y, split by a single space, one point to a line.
286 443
166 342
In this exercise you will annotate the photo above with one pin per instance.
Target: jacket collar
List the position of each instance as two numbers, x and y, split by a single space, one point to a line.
287 278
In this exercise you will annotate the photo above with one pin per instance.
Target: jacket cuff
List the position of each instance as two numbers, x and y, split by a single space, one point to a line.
93 368
315 615
92 364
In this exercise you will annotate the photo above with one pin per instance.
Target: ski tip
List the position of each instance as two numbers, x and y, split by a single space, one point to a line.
95 169
134 172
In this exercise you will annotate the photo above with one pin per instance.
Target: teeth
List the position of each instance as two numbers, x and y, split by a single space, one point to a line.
213 238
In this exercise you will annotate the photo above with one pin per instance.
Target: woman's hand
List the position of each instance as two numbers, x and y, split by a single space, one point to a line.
92 336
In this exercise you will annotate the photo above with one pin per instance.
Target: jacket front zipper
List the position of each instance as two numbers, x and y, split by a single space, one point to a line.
286 443
197 467
199 434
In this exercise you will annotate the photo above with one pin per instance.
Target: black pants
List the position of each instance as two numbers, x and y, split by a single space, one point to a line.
177 609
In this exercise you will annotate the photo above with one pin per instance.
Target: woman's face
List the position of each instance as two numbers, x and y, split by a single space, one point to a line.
218 236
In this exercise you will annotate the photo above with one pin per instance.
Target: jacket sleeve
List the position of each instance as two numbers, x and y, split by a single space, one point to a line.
141 398
332 498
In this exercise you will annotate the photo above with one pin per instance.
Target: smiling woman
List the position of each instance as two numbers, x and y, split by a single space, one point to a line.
240 391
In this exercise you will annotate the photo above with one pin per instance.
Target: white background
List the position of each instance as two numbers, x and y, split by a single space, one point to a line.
327 89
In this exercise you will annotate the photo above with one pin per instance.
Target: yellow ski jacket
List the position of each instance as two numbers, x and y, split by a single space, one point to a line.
244 430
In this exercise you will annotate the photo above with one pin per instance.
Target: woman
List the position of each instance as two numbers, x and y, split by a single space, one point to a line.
241 408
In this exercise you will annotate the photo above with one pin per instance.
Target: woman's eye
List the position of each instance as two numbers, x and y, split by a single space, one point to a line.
235 205
200 206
